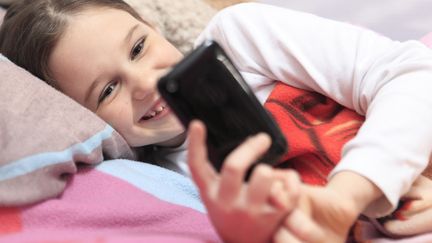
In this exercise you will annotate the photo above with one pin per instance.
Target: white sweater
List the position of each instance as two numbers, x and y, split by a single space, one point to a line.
387 81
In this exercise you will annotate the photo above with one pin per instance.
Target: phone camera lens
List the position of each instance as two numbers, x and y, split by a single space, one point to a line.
172 86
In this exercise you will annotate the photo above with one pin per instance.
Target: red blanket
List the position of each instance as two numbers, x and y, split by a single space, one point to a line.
316 128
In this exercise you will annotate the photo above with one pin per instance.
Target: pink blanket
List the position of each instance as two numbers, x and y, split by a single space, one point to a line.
117 201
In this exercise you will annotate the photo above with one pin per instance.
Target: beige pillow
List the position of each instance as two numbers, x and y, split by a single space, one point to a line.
219 4
179 21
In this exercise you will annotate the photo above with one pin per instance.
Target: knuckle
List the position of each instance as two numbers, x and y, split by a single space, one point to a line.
233 167
263 171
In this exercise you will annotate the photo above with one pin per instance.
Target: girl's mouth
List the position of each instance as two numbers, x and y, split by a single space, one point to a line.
156 112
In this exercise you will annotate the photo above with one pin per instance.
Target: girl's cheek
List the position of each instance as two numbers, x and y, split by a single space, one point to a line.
116 115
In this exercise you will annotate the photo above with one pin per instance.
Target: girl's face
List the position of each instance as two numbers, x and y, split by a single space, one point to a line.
110 62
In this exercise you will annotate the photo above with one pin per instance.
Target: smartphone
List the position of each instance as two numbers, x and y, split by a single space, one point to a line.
206 85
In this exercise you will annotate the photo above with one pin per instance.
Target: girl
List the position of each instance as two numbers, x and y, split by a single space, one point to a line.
106 57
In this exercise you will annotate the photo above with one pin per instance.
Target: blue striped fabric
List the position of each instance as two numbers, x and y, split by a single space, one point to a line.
3 58
162 183
37 161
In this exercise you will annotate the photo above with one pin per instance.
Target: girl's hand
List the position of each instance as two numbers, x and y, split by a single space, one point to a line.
242 212
415 216
322 216
325 214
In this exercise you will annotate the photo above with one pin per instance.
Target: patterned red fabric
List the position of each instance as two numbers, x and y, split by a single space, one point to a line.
315 127
10 219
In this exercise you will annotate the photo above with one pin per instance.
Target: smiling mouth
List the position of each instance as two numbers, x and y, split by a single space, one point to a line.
154 112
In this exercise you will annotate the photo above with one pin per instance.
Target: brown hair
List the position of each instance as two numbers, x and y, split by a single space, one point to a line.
32 28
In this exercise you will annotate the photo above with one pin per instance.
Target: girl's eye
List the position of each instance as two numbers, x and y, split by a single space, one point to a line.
107 92
137 49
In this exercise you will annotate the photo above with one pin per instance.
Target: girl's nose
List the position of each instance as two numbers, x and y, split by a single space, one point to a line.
139 94
144 83
142 88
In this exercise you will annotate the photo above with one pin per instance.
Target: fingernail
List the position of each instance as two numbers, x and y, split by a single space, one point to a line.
263 135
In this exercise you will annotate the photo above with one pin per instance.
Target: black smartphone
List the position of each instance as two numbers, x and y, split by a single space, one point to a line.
206 85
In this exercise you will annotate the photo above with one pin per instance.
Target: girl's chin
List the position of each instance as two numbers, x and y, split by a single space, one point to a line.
175 141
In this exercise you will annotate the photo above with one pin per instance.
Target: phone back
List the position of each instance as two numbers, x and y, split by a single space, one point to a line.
206 85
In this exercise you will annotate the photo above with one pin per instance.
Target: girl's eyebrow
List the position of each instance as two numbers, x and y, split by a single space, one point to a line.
96 82
130 34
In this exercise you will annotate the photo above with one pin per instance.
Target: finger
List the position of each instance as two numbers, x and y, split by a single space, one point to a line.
412 207
279 196
417 224
422 180
237 163
421 189
413 193
286 196
284 236
201 170
303 227
260 185
417 200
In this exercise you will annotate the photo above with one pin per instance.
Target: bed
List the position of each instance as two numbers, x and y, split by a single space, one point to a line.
66 175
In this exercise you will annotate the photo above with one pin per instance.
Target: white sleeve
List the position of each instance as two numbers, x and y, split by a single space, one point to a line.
387 81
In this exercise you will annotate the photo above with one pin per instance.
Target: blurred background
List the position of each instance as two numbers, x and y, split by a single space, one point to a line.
397 19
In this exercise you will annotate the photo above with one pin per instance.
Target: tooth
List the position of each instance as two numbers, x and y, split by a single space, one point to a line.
153 113
160 108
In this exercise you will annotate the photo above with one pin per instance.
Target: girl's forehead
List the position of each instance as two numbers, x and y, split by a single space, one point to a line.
101 14
98 26
101 20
